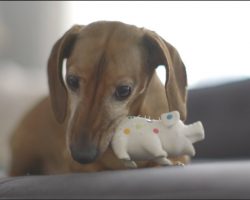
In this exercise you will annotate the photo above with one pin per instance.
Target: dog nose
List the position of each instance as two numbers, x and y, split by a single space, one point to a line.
84 154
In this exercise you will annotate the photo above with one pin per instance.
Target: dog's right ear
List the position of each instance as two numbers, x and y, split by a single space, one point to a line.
159 52
57 89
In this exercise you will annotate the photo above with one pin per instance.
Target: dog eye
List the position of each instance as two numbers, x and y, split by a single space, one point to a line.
73 82
122 92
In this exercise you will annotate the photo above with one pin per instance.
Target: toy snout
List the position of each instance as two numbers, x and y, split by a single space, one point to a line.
195 132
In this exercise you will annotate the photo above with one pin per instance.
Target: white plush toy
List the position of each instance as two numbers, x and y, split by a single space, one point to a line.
138 139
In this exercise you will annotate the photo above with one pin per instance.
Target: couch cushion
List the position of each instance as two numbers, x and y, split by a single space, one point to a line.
225 113
228 179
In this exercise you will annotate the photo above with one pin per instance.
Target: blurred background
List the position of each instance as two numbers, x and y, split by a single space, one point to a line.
213 39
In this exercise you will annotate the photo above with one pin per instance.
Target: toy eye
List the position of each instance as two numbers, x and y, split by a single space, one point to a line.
122 92
169 116
73 82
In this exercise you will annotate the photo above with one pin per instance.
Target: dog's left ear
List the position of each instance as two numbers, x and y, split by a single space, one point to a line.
162 53
58 92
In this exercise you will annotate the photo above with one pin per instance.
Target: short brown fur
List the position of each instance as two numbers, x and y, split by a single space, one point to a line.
103 55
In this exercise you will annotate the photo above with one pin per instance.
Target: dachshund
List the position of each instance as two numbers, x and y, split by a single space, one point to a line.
110 74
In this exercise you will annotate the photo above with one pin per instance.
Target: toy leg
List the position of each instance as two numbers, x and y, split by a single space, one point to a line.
154 148
129 163
122 154
120 150
163 161
119 146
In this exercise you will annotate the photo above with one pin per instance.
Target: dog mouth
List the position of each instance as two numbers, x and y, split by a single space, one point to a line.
90 151
86 149
107 134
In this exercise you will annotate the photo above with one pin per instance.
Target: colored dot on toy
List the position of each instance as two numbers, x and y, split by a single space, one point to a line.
126 131
169 116
156 130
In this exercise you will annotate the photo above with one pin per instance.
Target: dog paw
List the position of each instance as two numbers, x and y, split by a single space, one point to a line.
180 164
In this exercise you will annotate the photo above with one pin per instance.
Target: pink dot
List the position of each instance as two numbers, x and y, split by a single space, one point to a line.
156 130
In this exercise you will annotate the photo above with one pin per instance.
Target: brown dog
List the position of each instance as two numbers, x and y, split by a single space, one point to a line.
110 73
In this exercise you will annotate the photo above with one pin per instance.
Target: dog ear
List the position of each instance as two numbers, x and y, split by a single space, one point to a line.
162 53
58 92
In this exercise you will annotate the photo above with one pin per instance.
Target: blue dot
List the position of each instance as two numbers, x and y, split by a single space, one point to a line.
169 116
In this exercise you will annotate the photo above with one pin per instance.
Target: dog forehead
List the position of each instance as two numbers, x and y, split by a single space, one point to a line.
107 29
107 36
110 44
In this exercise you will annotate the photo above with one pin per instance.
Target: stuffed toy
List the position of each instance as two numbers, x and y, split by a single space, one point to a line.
141 139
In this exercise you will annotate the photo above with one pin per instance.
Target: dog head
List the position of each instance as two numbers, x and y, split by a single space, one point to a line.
108 69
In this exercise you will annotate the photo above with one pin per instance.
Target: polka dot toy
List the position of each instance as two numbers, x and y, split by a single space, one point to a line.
141 139
138 126
126 131
156 130
169 116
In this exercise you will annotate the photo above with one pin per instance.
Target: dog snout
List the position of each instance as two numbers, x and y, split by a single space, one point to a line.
85 153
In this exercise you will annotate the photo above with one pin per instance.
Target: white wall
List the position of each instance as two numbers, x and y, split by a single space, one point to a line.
213 38
27 32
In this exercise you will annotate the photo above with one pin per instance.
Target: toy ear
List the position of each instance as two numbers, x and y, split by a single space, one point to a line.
170 118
